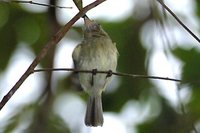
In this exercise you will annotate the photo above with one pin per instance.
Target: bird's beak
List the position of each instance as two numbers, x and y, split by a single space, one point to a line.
88 23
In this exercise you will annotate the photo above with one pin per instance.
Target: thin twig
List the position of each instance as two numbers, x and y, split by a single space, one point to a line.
107 72
179 21
53 42
182 107
35 3
79 5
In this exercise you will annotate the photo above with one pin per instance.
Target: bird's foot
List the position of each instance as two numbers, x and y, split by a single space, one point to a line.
109 74
94 72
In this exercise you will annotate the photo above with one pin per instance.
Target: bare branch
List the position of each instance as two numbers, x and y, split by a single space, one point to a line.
179 21
53 42
34 3
107 72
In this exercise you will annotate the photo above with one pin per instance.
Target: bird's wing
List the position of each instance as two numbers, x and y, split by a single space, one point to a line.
76 54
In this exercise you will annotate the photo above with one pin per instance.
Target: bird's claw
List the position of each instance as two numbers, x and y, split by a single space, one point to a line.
94 72
109 74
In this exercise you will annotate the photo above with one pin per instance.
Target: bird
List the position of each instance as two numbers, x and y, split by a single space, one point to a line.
96 52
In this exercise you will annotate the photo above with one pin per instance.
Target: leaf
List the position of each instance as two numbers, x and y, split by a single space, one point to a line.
8 39
12 125
79 4
191 74
191 65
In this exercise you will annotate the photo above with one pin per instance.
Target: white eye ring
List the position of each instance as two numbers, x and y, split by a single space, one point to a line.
96 27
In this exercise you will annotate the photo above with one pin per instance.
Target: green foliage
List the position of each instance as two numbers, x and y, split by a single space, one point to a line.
198 9
47 122
191 75
169 121
7 35
79 4
20 26
12 124
37 118
191 65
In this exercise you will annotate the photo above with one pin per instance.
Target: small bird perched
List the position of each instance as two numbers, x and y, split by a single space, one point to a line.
96 52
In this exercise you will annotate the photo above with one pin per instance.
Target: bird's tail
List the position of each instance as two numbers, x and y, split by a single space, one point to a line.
94 112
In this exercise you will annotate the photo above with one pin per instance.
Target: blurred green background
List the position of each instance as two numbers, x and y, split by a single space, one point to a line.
146 30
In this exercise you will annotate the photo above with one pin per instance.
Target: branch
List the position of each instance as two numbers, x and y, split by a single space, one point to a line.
179 21
53 42
108 73
34 3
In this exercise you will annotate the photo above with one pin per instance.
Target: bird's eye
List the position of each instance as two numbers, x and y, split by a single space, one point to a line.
96 27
